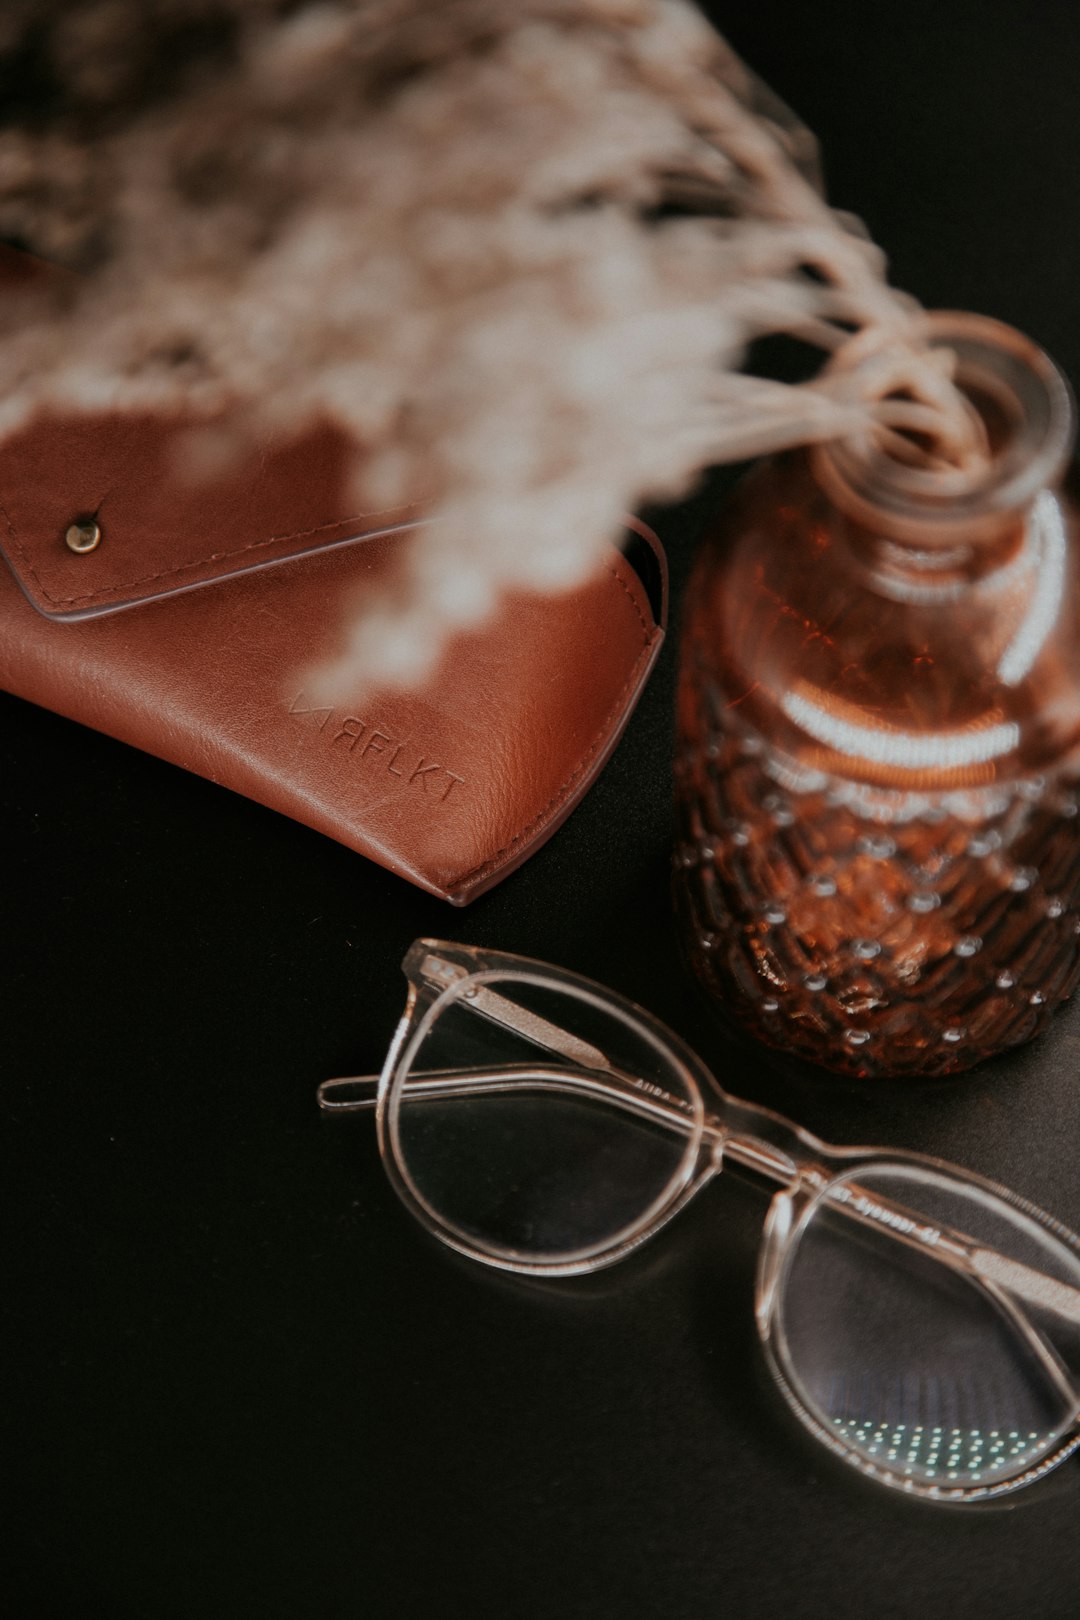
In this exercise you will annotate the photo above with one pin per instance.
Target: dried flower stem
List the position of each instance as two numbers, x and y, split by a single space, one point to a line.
517 252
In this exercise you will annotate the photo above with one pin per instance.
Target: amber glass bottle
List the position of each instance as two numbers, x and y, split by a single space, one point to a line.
879 738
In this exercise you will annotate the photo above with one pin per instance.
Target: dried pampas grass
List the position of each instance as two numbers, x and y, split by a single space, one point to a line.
517 251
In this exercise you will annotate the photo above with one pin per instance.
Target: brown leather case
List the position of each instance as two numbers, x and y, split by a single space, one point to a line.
451 785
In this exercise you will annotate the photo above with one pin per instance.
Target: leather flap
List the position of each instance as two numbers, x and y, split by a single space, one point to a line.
159 530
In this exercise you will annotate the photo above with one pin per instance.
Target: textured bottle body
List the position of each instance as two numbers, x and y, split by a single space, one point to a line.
879 859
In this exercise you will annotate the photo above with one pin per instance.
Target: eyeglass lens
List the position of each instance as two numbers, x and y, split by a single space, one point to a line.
530 1158
915 1365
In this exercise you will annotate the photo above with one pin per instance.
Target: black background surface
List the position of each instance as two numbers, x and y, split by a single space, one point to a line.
240 1381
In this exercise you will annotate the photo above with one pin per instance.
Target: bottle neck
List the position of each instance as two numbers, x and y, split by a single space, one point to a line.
937 528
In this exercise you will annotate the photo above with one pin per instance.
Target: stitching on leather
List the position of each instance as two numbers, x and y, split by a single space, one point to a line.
199 562
561 793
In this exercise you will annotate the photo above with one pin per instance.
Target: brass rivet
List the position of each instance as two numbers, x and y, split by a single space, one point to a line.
83 536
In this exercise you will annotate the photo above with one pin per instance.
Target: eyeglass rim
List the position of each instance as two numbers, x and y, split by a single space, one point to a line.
781 1362
417 1021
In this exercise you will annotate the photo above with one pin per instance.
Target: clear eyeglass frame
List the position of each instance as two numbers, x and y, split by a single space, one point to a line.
537 1122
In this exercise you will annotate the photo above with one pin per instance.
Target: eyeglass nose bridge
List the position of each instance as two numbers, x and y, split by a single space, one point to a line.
786 1211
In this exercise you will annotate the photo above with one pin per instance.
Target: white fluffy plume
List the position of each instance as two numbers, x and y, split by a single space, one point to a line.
517 250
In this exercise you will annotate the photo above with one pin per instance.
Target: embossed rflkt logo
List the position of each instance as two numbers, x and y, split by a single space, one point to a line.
381 750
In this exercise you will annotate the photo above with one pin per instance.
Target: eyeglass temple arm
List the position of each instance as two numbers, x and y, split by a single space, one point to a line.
996 1275
1041 1347
347 1094
626 1092
1000 1279
360 1091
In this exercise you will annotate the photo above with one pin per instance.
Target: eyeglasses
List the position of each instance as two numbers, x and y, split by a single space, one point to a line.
923 1323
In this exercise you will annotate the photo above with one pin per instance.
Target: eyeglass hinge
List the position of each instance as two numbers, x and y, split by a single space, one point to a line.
437 970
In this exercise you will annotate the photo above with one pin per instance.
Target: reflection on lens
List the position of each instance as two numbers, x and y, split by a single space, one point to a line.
538 1125
934 1452
919 1367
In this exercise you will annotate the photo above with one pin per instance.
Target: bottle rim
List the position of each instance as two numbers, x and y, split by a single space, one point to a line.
994 361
